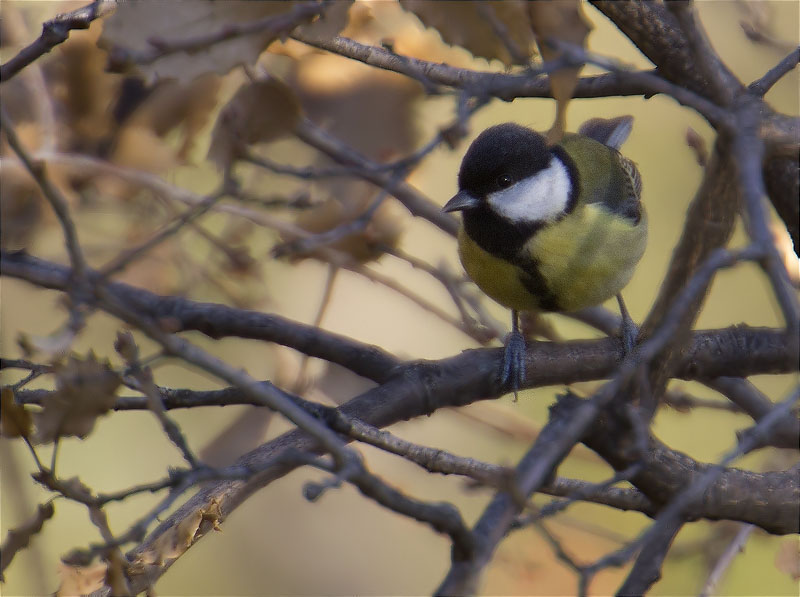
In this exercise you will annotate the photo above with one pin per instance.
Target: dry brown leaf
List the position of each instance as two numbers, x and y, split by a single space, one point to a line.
465 24
213 514
260 111
126 347
19 538
175 541
562 20
15 421
787 559
140 144
383 229
137 148
85 389
758 24
140 148
330 23
81 580
53 346
83 90
76 488
371 110
783 243
184 106
698 145
133 24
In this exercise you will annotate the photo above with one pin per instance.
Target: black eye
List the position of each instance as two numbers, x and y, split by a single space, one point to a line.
504 181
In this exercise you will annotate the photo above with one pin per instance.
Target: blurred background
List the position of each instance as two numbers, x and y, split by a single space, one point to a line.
277 542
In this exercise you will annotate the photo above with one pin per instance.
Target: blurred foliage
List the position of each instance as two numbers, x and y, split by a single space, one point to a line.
110 139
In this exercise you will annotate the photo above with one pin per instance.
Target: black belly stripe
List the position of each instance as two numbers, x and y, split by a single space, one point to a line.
495 235
505 240
533 280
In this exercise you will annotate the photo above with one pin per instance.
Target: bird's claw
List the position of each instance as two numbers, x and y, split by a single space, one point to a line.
628 332
513 372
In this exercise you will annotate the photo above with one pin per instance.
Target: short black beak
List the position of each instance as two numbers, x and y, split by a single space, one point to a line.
461 201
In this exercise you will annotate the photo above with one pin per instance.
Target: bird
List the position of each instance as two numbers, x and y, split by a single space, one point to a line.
550 227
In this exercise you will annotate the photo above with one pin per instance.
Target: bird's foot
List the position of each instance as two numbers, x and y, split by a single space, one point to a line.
513 372
628 330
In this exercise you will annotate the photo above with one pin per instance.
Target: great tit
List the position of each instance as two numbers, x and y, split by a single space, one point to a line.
550 228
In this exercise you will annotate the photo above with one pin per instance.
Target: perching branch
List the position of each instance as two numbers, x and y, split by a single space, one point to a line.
755 154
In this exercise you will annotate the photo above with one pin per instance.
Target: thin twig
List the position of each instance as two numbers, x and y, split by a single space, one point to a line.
190 353
776 73
749 399
669 519
505 86
53 196
144 378
651 82
748 152
682 401
54 32
411 198
120 262
518 55
726 559
724 85
324 302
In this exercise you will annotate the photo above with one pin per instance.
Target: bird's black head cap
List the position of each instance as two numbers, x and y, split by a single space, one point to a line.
501 156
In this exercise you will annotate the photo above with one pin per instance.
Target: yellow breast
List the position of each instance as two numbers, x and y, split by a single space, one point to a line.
584 260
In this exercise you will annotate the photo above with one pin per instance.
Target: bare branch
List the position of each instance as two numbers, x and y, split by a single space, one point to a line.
748 151
724 85
712 354
218 321
656 539
657 33
190 353
736 546
190 215
510 86
56 199
411 198
755 152
144 382
54 32
709 224
749 399
776 73
561 433
412 394
782 178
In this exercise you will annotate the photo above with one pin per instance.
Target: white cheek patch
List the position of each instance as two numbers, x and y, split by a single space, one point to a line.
539 198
